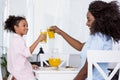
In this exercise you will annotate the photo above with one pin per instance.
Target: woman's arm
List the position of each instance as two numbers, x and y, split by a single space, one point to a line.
73 42
82 75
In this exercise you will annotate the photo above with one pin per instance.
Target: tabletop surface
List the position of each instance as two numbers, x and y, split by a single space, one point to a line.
56 70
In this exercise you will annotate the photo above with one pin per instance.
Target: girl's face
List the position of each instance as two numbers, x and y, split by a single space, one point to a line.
90 19
22 28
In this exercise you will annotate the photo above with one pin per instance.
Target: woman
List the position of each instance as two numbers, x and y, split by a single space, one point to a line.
103 20
18 65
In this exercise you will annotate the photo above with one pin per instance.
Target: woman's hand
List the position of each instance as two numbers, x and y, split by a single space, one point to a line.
56 29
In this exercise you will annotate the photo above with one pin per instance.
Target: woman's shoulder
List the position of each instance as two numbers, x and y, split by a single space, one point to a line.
100 36
99 41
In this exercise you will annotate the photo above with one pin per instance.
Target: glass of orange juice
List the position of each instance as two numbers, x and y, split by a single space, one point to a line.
43 31
54 62
51 33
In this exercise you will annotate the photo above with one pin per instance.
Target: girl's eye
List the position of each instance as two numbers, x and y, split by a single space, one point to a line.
25 25
88 20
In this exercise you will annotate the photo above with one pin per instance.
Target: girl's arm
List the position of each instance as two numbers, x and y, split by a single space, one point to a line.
40 38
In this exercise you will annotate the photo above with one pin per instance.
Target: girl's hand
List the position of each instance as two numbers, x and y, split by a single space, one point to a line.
42 37
35 66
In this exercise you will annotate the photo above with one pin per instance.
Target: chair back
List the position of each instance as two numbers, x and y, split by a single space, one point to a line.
45 57
102 56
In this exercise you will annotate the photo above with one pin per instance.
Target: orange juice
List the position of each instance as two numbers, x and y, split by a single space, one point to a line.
45 33
51 34
54 62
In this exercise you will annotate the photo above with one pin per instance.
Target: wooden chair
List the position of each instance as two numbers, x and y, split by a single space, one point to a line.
101 56
64 59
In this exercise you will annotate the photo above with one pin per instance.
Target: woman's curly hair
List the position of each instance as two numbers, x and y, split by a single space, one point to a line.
107 18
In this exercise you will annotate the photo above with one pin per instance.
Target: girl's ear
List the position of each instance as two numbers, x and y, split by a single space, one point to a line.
15 28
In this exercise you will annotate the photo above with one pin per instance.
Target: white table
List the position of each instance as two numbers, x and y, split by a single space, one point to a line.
56 74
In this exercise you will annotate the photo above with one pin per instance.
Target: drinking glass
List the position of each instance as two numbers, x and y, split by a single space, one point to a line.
43 31
51 33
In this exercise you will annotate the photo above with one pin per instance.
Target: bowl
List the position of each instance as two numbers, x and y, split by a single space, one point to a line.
54 62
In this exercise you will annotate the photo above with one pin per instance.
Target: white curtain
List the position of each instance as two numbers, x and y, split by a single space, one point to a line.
30 19
51 12
1 31
68 15
3 48
23 8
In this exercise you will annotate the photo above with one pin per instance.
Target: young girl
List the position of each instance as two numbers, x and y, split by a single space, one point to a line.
18 65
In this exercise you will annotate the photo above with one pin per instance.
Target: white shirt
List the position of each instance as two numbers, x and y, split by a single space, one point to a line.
17 55
97 42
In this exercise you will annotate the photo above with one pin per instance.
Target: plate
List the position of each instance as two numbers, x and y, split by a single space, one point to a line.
48 68
66 69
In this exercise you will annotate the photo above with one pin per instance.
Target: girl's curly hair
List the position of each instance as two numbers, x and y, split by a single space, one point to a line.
11 21
107 18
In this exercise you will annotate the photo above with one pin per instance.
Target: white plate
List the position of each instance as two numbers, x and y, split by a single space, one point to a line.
66 69
48 68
